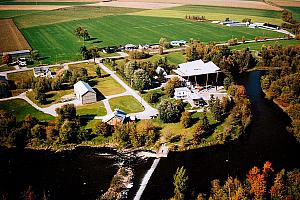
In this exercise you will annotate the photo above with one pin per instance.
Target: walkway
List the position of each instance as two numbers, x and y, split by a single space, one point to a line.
162 152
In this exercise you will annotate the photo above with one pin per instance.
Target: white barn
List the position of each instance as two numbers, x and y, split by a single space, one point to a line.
85 93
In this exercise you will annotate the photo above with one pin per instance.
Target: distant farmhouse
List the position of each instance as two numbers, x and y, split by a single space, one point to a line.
116 117
177 43
43 72
85 93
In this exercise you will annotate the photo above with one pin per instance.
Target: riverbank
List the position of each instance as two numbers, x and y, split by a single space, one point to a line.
285 110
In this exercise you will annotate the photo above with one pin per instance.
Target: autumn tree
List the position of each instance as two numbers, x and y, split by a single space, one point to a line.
180 183
102 128
66 112
257 183
186 119
162 45
170 110
141 80
171 85
6 59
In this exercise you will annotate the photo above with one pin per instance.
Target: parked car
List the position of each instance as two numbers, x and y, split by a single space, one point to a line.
22 62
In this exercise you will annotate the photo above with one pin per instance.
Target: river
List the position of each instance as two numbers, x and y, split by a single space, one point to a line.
86 173
266 139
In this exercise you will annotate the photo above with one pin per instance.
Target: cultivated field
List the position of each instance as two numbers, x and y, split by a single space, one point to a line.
68 14
220 14
58 42
30 7
143 5
11 39
227 3
287 3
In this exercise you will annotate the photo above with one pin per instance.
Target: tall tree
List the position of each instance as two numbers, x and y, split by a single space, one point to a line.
180 183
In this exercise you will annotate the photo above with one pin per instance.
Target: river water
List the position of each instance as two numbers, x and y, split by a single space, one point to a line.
86 173
266 140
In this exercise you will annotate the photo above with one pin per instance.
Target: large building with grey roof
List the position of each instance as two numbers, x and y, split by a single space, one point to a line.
85 93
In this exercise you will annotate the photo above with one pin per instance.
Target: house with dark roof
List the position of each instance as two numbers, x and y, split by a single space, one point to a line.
85 93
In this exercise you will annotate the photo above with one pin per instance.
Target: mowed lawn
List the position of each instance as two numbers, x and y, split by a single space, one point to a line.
57 42
257 46
126 103
21 108
94 109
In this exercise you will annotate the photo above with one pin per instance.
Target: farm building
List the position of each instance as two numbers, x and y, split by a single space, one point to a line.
116 117
15 54
198 74
178 43
85 93
43 72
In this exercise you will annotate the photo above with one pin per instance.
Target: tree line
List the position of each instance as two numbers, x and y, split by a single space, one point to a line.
282 82
260 183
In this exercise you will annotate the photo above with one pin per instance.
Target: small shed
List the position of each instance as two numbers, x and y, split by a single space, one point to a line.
85 93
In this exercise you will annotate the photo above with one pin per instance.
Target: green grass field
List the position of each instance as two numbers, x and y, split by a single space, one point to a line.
14 13
95 109
21 108
227 10
257 46
57 43
126 103
254 15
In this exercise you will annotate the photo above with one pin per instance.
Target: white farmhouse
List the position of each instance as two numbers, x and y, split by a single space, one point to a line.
182 93
84 93
43 72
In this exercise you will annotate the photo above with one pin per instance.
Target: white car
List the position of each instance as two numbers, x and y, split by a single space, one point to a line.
22 62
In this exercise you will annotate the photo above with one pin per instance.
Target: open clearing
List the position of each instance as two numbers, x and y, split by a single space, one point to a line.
21 108
11 39
59 44
225 3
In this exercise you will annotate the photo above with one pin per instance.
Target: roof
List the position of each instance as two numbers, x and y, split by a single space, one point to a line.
197 67
182 89
26 51
38 70
82 88
118 113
